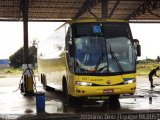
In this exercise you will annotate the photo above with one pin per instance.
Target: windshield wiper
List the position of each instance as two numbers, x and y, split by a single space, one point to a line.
116 59
99 61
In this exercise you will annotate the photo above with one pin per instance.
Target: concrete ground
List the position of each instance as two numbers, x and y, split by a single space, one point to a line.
14 105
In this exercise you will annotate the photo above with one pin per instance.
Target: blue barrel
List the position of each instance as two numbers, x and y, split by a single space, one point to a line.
40 102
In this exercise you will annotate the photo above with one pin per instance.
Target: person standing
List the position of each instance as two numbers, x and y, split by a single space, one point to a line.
151 74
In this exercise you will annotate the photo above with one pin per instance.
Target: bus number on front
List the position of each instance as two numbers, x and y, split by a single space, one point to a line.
85 78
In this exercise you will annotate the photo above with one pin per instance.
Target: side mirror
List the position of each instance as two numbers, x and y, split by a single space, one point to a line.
138 50
71 50
138 47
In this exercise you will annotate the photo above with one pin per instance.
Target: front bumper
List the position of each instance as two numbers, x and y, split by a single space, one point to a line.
82 91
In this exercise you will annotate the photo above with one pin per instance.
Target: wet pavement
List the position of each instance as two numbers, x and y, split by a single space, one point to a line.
16 105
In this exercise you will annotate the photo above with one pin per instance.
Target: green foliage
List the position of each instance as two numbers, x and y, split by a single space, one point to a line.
16 59
145 66
62 59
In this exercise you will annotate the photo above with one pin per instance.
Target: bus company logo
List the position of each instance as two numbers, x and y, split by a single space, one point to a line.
108 82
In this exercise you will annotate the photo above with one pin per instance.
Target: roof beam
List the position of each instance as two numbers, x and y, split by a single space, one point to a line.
154 14
104 8
115 6
88 5
148 6
92 14
20 9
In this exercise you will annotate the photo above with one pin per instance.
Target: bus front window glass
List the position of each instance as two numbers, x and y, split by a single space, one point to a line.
121 55
90 54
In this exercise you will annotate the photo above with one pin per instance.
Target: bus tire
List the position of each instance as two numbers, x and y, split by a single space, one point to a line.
64 86
41 78
114 97
44 82
68 97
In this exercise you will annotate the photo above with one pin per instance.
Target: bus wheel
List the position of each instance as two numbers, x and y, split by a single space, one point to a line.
68 97
114 97
45 87
41 78
64 87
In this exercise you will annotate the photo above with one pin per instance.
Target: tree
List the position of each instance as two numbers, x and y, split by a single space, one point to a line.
158 59
16 59
33 51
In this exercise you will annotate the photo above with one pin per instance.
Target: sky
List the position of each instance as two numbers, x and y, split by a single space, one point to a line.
148 35
11 36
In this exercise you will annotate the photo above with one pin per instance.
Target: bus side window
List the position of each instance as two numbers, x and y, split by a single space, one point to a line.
69 58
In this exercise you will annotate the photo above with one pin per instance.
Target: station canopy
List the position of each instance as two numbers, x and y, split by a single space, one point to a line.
62 10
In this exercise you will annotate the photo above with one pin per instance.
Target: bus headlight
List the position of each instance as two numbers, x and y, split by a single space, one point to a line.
84 83
130 81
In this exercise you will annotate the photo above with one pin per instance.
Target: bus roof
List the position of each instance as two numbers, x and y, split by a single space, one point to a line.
90 20
95 20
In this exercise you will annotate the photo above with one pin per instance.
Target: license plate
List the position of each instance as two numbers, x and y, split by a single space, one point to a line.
108 91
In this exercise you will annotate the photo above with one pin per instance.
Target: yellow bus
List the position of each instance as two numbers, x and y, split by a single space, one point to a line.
91 58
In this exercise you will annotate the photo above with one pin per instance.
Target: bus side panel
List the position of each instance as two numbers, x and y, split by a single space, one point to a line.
71 83
51 58
54 70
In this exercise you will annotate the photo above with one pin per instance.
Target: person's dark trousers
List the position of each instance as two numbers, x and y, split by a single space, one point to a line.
151 81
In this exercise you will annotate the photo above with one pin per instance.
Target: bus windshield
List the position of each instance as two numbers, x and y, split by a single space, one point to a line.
104 55
103 48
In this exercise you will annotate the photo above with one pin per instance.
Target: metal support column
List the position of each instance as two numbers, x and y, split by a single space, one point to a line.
25 30
104 8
